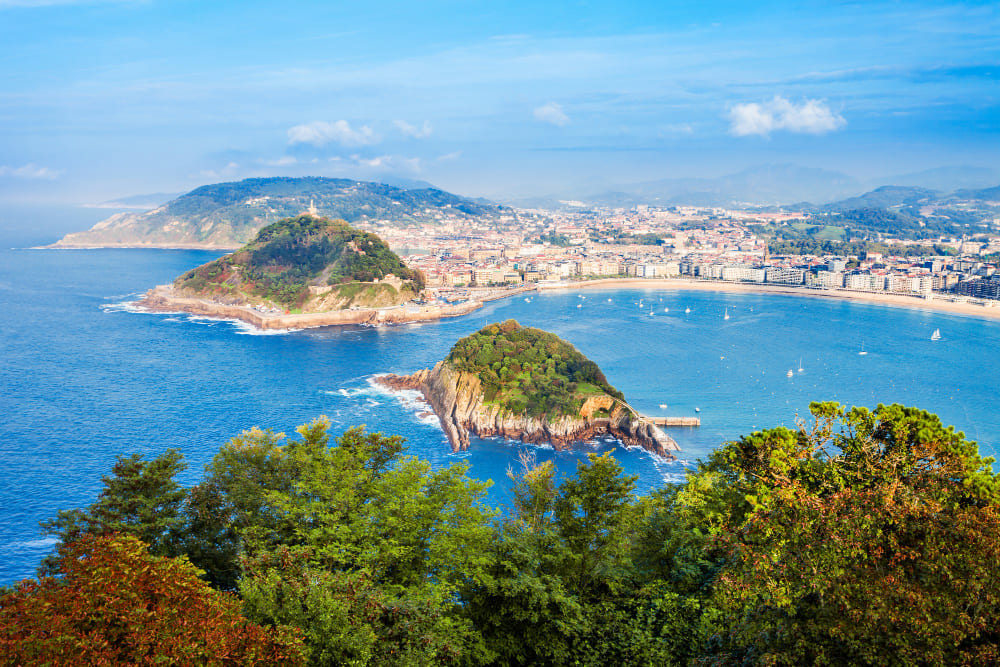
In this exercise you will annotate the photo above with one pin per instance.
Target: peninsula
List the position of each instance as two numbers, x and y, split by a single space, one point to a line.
527 384
301 272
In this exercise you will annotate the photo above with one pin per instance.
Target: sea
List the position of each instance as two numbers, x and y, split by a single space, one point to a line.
85 377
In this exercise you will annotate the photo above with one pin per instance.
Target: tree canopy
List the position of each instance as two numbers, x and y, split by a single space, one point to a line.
529 371
288 256
863 536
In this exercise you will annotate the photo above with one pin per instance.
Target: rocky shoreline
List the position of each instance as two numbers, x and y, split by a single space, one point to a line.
457 400
163 299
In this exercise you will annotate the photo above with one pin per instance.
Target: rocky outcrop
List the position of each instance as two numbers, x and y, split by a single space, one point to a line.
457 399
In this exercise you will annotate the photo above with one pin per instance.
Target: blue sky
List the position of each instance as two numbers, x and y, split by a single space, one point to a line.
101 99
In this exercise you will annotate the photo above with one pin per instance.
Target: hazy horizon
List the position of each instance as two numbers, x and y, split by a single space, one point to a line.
105 99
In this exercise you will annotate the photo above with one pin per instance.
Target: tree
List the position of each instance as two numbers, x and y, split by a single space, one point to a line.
231 503
870 534
364 528
139 498
115 603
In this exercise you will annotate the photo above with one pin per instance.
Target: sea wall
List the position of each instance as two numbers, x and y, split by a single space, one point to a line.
457 399
165 299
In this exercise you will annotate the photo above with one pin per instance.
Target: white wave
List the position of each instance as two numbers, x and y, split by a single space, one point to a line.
41 543
412 400
245 329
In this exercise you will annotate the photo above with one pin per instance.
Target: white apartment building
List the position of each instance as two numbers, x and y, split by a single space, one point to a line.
743 274
784 276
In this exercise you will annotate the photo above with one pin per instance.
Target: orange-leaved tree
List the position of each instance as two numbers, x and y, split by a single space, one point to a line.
115 603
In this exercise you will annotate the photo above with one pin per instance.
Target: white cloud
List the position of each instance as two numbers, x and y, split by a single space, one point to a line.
285 161
30 171
229 171
389 163
448 157
415 132
809 117
551 113
320 133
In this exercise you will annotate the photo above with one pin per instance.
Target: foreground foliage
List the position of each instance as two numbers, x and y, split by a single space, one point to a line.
862 537
114 603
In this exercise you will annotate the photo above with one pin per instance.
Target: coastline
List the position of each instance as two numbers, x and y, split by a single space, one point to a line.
161 299
936 302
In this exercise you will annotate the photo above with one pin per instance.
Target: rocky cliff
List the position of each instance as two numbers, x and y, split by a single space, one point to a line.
458 400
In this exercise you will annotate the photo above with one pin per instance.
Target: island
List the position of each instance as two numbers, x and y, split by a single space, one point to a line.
301 272
523 383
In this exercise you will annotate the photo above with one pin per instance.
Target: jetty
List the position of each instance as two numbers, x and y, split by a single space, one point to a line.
672 421
660 421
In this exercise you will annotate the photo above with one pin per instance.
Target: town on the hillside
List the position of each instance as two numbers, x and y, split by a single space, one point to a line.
525 247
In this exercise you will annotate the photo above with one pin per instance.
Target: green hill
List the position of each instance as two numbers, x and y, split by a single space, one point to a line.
530 371
309 263
227 215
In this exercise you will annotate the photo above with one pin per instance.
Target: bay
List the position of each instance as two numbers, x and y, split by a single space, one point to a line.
84 379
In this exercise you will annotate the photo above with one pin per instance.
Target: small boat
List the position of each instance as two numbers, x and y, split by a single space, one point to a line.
527 300
666 310
800 364
663 406
650 312
862 352
697 409
726 316
936 335
790 373
609 300
579 305
687 310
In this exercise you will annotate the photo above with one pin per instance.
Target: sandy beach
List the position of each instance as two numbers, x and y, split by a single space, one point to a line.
938 302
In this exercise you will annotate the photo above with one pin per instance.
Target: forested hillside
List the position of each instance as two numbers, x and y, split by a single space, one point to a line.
288 257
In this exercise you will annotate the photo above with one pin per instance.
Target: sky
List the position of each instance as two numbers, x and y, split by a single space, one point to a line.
101 99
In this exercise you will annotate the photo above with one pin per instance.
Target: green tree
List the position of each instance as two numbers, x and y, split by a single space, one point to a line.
139 498
363 525
869 534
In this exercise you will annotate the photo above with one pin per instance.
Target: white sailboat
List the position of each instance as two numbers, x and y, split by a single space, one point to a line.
936 335
726 316
687 310
666 310
800 364
790 373
862 352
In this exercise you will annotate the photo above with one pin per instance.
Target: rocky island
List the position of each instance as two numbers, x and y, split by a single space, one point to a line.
304 271
524 383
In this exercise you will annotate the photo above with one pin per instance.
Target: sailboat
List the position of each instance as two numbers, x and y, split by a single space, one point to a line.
726 316
666 310
936 335
862 352
790 373
687 310
800 364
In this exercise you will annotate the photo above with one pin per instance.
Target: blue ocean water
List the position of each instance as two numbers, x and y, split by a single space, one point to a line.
84 379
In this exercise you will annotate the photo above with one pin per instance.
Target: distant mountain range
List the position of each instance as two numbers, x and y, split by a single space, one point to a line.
227 215
772 185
